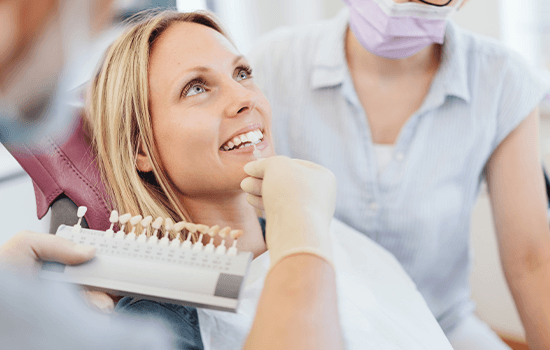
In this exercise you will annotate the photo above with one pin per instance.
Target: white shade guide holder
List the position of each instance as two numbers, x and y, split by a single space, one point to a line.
162 273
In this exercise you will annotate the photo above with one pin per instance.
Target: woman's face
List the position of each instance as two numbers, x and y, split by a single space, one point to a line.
205 107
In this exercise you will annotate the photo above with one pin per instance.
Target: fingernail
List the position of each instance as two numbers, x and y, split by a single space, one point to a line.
84 249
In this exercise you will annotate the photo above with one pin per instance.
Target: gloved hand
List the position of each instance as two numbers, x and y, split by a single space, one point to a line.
25 252
298 198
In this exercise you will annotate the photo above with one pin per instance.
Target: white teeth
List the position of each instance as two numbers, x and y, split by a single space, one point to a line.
252 137
244 140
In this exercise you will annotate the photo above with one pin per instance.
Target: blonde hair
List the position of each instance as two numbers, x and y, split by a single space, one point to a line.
120 120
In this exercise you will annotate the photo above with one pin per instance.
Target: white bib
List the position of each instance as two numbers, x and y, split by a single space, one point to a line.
379 305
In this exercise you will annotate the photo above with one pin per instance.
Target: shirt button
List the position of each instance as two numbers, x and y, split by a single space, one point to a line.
374 206
399 156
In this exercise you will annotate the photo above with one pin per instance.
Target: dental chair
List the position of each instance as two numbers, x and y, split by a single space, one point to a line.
65 176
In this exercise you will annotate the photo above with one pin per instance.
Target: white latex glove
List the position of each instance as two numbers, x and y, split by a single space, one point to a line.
298 198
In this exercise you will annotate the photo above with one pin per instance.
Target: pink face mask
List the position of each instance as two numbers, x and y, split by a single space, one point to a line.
397 30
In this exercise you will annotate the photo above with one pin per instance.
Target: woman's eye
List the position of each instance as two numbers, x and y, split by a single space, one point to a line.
242 75
195 90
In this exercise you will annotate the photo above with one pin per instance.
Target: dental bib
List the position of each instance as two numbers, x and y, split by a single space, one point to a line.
379 305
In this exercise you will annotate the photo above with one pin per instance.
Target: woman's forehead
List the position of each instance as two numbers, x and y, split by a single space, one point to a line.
192 43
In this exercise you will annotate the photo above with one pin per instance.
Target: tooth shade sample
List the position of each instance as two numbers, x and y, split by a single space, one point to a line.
81 211
213 231
147 221
157 223
224 232
236 233
123 219
191 227
168 224
114 216
202 228
179 226
135 220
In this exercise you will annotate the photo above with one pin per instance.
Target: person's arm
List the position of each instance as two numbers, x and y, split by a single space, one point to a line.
297 308
519 203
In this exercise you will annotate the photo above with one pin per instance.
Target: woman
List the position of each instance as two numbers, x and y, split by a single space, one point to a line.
411 112
167 109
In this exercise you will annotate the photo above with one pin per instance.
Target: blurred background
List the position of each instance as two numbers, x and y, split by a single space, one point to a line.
523 25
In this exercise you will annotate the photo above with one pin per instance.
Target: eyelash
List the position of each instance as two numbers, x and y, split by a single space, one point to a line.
202 82
247 69
196 81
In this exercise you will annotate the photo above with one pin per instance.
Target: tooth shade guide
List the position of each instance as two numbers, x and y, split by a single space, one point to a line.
179 234
80 213
257 153
134 221
212 232
235 234
145 224
113 219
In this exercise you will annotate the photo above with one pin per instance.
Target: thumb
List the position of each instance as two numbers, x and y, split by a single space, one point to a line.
48 247
256 168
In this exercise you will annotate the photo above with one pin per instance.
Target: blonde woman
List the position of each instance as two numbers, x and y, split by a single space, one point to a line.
167 111
170 96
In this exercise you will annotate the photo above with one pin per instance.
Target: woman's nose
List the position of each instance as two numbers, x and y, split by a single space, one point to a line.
239 99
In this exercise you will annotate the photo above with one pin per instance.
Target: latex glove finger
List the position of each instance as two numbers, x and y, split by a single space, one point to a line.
255 201
98 300
257 168
252 186
26 250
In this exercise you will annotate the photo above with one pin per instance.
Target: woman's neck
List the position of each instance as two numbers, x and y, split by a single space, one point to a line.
228 210
426 61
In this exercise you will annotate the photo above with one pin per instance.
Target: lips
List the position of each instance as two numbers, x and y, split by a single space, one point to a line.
245 139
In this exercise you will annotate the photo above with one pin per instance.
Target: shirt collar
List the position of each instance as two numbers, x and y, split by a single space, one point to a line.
330 68
329 64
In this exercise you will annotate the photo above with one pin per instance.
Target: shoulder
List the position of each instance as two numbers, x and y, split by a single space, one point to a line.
487 57
293 46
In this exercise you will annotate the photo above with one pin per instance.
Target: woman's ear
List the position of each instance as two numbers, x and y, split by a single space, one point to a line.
143 164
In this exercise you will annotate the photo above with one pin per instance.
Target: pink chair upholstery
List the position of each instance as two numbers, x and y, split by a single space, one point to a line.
67 168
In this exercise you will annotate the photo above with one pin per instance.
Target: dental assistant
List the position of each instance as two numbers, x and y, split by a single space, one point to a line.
411 113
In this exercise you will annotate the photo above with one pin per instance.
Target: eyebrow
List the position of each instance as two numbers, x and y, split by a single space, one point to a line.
181 83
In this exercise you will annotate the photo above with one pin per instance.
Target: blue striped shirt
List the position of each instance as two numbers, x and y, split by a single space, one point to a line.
419 207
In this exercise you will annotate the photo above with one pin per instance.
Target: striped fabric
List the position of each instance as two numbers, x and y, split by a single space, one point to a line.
419 207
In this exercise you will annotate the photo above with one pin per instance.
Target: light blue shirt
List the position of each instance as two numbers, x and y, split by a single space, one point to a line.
419 207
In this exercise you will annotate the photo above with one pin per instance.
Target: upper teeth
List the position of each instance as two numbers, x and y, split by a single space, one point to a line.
240 141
